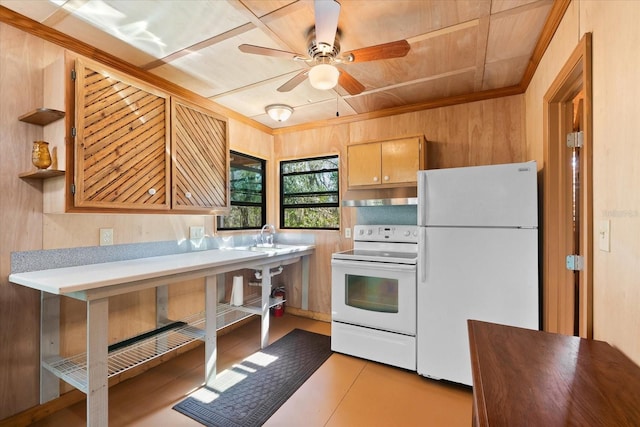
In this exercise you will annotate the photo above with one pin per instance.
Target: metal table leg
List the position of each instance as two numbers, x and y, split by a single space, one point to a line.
97 367
266 294
210 307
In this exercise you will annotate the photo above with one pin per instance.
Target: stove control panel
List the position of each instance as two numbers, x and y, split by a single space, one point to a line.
386 233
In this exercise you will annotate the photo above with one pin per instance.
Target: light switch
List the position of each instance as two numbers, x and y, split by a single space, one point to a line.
604 235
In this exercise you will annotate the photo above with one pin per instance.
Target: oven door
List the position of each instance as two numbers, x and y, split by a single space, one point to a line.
374 294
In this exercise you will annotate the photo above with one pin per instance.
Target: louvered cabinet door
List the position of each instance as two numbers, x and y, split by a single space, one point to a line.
122 142
200 159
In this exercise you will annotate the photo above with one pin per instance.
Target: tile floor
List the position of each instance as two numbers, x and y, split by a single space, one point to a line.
345 391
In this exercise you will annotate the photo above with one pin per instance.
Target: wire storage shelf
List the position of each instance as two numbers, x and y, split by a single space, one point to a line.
73 370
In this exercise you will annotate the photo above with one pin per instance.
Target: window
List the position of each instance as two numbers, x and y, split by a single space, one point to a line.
309 196
247 188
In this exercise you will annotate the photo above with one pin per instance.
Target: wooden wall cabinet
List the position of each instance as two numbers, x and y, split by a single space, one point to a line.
199 158
122 141
139 148
389 163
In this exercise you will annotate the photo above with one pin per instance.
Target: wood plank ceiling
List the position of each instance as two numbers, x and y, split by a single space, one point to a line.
458 47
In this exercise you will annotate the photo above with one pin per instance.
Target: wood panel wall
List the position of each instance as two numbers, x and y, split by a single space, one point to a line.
483 132
20 207
476 133
616 130
324 141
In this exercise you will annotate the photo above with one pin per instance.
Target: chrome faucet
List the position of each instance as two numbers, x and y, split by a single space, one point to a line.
272 232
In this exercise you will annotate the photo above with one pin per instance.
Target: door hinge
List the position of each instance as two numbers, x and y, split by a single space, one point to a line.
73 189
73 132
73 74
575 262
575 139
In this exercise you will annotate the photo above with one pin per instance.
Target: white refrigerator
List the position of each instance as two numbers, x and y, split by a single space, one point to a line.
477 259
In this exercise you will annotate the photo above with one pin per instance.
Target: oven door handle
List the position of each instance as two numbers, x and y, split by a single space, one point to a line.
376 265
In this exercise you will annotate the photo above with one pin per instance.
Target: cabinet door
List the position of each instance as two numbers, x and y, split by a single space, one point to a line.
200 158
364 164
400 161
122 143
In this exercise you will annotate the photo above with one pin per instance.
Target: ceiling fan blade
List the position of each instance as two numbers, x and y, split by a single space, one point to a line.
349 83
326 13
395 49
294 81
258 50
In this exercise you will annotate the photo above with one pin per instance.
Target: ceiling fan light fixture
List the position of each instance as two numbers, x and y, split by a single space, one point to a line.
324 76
279 112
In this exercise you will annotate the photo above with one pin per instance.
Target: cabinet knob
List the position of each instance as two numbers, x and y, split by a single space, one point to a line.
386 177
187 195
375 179
152 191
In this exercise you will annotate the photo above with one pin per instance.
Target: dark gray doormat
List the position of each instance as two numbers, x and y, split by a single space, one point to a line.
261 390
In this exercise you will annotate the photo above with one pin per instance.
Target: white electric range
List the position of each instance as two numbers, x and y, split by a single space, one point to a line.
373 295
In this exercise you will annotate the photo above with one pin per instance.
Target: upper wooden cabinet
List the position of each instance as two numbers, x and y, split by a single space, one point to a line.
138 148
390 163
122 141
200 158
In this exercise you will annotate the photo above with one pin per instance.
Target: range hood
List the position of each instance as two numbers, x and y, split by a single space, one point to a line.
399 196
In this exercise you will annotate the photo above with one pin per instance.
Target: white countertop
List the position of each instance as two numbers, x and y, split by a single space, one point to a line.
69 280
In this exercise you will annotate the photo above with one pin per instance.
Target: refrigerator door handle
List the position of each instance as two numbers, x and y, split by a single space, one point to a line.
422 254
422 199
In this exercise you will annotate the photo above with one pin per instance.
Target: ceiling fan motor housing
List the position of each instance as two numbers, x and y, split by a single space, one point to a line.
322 52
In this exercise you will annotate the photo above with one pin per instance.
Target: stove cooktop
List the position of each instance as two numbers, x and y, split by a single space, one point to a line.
377 256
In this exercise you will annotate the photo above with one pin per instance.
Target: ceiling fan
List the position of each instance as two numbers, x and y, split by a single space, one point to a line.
324 53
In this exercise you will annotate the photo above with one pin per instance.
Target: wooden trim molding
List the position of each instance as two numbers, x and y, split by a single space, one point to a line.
558 306
428 105
553 22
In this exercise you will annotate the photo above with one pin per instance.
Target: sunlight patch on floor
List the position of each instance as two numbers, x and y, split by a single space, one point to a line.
261 359
232 376
205 395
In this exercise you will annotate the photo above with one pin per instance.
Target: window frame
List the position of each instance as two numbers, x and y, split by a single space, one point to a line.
336 204
262 204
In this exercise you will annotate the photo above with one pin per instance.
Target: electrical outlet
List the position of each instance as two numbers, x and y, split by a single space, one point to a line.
196 233
106 236
347 233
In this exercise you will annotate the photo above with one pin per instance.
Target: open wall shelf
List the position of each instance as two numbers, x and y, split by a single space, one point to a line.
41 116
41 174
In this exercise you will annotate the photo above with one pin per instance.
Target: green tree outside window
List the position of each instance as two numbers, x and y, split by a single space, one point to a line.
247 191
309 193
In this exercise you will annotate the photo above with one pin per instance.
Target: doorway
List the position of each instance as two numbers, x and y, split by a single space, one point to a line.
567 199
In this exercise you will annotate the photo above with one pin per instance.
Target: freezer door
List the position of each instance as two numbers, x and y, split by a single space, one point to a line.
488 274
491 196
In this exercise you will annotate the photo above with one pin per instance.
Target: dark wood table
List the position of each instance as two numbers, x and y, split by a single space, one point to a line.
523 377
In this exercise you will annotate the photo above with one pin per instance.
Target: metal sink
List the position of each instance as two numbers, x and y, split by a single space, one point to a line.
275 249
